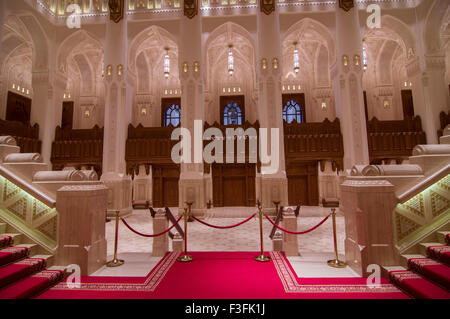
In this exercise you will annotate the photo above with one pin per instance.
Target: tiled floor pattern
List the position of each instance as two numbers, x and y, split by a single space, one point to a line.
315 248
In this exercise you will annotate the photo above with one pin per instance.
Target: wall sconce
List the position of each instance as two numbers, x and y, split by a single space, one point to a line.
109 70
386 104
185 67
356 60
324 105
196 67
275 63
120 70
345 60
144 111
87 113
264 63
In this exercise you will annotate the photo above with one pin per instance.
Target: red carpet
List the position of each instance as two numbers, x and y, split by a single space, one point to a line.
5 241
431 269
31 286
21 269
441 253
417 286
11 254
216 275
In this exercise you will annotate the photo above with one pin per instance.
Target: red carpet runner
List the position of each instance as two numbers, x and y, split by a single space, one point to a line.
216 275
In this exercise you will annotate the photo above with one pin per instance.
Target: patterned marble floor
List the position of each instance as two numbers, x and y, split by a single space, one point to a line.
243 238
315 248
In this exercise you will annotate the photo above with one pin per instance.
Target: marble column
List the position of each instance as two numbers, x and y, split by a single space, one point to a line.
118 106
42 111
430 94
192 184
273 184
347 75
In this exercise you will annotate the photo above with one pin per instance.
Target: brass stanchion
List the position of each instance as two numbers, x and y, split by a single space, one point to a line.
262 257
276 203
335 263
116 262
186 257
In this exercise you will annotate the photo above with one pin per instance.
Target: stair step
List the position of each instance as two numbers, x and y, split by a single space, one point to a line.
440 253
441 236
20 270
12 254
17 239
32 248
404 259
432 270
33 285
423 247
49 259
3 228
417 286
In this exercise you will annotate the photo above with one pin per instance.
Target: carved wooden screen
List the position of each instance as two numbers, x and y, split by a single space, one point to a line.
26 136
18 108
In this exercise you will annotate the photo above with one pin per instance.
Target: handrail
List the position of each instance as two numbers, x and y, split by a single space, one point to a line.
427 182
27 187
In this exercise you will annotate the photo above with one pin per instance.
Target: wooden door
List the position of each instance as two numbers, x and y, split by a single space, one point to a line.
234 185
18 108
165 185
303 184
67 115
408 104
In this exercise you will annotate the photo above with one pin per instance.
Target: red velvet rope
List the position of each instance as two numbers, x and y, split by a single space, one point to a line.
151 236
224 227
299 233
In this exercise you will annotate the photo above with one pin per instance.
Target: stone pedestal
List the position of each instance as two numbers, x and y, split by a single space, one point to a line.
178 243
368 206
273 189
119 193
142 186
193 190
82 227
290 242
277 242
161 243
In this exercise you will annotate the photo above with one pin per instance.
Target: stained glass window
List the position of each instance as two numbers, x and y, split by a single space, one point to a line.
173 115
232 114
292 111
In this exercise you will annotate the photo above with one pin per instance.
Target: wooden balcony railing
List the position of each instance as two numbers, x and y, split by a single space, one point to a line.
314 142
147 146
394 140
26 136
78 148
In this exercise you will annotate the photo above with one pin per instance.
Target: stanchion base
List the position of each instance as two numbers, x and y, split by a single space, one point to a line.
115 263
262 258
336 263
185 258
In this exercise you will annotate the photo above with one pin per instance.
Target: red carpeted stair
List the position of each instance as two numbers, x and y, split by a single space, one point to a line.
22 276
426 278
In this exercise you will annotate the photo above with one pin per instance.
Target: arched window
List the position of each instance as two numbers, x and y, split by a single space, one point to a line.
173 115
232 114
292 111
